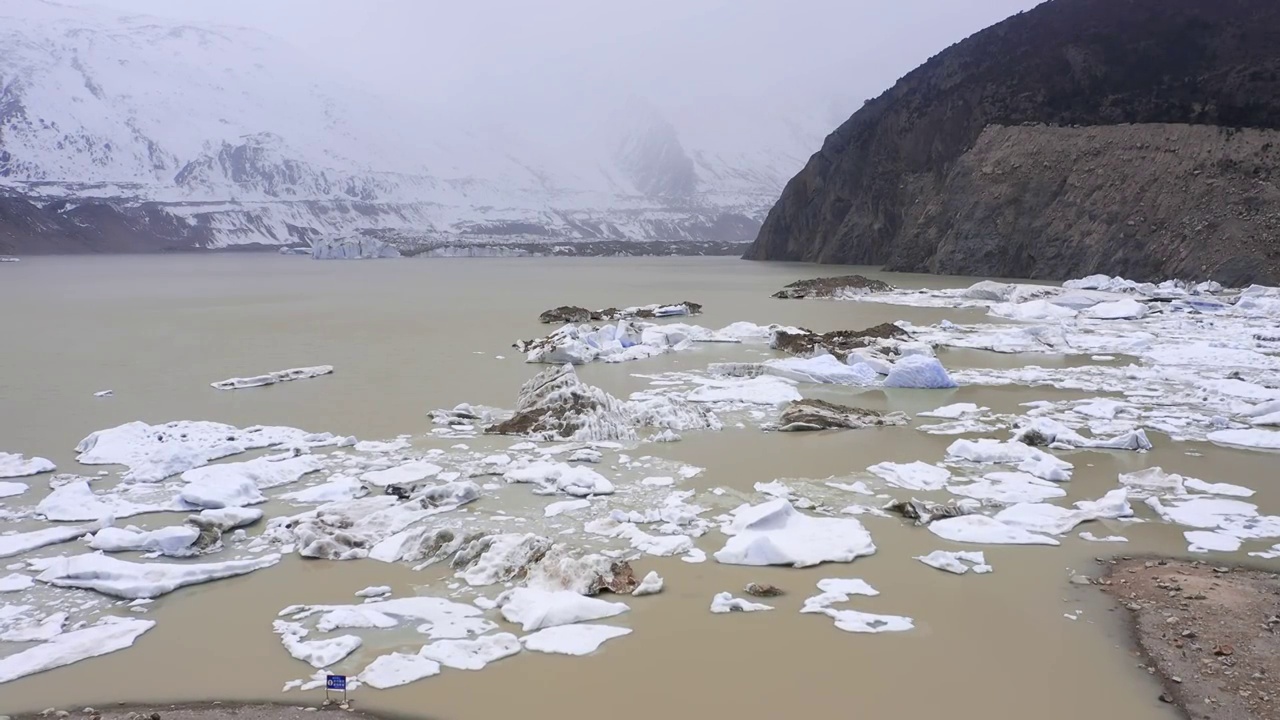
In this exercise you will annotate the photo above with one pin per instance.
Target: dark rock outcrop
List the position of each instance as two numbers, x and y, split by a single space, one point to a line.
813 414
1131 137
832 287
579 315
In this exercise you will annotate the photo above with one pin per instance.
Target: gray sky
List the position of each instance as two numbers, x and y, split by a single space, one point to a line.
684 52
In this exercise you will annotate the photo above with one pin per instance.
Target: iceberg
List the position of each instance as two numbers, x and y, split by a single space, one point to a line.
130 581
774 533
272 378
13 465
358 248
919 371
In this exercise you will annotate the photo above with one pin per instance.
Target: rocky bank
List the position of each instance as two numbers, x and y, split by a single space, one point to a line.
1136 138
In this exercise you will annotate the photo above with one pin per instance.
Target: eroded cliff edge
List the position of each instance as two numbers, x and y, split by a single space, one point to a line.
1132 137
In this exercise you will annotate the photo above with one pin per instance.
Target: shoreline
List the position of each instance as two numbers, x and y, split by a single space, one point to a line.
1210 632
206 710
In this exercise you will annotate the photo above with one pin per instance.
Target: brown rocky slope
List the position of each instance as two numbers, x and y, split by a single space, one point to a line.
1132 137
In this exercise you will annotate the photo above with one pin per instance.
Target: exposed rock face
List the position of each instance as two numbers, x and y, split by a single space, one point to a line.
832 287
1081 136
837 342
813 414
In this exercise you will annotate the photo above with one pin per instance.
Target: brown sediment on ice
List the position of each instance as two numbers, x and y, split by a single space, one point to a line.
211 710
1210 632
829 287
839 343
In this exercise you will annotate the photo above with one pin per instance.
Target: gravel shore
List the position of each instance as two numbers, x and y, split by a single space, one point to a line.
203 711
1210 632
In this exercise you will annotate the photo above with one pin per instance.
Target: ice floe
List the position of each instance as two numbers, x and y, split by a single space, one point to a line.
775 533
1199 541
954 411
984 530
14 582
155 452
956 562
130 580
318 653
12 489
536 609
725 603
24 542
394 669
173 541
1250 439
14 465
550 477
764 390
472 654
572 639
106 636
77 502
1024 457
409 472
912 476
1009 488
272 378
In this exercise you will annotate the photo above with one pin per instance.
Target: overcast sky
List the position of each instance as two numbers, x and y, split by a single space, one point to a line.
685 52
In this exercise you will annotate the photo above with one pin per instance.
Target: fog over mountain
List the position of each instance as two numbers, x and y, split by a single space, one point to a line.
148 124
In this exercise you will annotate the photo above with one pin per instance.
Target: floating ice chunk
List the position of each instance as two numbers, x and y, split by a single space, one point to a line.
985 530
536 609
104 393
569 479
765 390
1032 311
725 602
774 533
989 290
505 556
1153 480
954 562
107 636
1203 512
317 653
919 371
659 545
1027 458
15 582
658 481
1263 409
564 506
337 490
1269 554
1009 488
374 591
12 489
858 487
14 465
443 619
472 654
912 476
1125 309
1055 520
847 586
1101 408
19 543
130 580
1268 420
650 585
377 446
272 378
1094 538
75 502
394 669
573 639
264 473
155 452
822 369
410 472
354 616
1216 488
1054 433
46 628
232 491
1206 541
173 541
1251 439
954 411
860 622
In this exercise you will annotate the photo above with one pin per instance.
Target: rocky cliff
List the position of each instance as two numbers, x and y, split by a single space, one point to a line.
1131 137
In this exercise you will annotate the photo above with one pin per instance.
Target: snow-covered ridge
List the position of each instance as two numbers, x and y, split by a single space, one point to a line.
240 141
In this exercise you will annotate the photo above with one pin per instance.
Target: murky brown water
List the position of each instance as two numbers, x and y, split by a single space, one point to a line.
410 336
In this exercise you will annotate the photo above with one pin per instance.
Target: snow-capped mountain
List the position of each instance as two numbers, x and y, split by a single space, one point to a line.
133 132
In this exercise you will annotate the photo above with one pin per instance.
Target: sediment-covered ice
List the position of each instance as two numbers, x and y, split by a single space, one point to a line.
271 378
24 542
504 556
956 562
912 476
394 669
14 465
573 639
106 636
472 654
536 609
985 530
130 580
725 603
775 533
919 371
155 452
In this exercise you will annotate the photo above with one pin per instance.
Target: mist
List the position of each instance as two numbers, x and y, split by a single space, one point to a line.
713 60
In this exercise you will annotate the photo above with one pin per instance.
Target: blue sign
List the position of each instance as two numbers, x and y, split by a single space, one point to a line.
335 682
